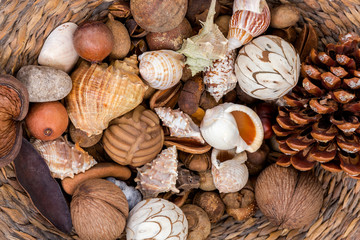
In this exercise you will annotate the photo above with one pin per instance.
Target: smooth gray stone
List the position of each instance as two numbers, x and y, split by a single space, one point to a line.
45 84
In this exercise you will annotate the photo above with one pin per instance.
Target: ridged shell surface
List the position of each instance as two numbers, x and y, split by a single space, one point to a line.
249 5
135 138
159 175
267 68
156 219
230 175
101 93
161 69
180 124
245 25
220 77
64 158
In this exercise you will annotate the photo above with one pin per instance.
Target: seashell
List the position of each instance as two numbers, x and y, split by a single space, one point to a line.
267 68
159 175
161 69
245 25
58 50
156 219
220 77
229 171
256 6
135 138
230 125
101 93
63 158
180 124
132 195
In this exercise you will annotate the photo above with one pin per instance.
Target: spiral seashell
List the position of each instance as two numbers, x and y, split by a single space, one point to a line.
159 175
161 69
249 5
156 219
229 171
101 93
245 25
64 158
180 124
220 77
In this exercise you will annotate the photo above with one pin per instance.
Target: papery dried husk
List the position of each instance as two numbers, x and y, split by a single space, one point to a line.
245 25
161 69
179 123
220 77
101 93
64 158
160 175
229 171
210 44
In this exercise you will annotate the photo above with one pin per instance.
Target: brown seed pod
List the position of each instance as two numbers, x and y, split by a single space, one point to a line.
81 137
158 15
93 41
190 95
256 161
284 16
196 162
47 121
172 39
34 176
206 181
211 203
99 210
122 41
198 220
288 198
14 104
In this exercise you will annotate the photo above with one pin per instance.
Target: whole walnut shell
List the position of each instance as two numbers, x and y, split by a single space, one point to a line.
99 210
288 198
135 138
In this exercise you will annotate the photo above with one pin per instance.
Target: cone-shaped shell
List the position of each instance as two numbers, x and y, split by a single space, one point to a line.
161 69
229 171
101 93
64 158
245 25
160 175
230 125
135 138
220 77
180 124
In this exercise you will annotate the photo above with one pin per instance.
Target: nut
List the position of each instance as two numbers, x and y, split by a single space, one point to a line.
211 203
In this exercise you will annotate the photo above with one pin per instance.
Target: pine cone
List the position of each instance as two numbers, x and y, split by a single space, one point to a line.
320 119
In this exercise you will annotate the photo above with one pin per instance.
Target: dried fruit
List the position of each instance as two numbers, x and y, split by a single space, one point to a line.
211 203
196 162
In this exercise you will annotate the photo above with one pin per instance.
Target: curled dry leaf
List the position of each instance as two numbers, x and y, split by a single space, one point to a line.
120 9
34 176
14 104
307 40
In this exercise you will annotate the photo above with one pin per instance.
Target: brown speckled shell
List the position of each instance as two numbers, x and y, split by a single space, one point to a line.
134 139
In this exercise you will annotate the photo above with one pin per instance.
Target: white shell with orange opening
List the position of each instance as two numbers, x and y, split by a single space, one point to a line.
229 171
230 125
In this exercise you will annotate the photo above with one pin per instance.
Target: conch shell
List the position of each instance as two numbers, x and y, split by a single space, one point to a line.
220 77
229 171
63 158
230 125
159 175
101 93
161 69
180 124
248 21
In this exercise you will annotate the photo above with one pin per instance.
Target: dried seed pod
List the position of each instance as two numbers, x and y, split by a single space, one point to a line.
190 95
207 101
34 176
166 98
186 144
187 180
211 203
80 137
122 41
196 162
307 40
199 223
207 181
120 9
284 16
256 161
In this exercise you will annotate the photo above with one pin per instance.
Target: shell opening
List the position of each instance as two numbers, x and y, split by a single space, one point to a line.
224 155
246 126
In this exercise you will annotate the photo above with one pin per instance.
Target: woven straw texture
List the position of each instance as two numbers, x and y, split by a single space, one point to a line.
24 25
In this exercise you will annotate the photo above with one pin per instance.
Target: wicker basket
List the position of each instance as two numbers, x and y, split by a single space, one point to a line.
24 25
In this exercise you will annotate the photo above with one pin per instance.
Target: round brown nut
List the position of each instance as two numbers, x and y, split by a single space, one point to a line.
284 16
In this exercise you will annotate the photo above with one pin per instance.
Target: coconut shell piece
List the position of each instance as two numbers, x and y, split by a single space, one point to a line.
34 176
14 104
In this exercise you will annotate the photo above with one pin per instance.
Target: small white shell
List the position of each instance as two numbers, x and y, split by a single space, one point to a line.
156 219
58 50
224 125
249 5
220 77
159 175
64 158
161 69
179 123
267 68
230 175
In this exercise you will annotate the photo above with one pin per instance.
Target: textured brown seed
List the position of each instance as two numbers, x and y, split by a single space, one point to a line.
211 203
190 95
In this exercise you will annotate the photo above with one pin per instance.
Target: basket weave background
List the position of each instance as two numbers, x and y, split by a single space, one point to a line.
25 24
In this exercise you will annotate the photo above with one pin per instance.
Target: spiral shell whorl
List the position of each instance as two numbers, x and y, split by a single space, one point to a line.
161 69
